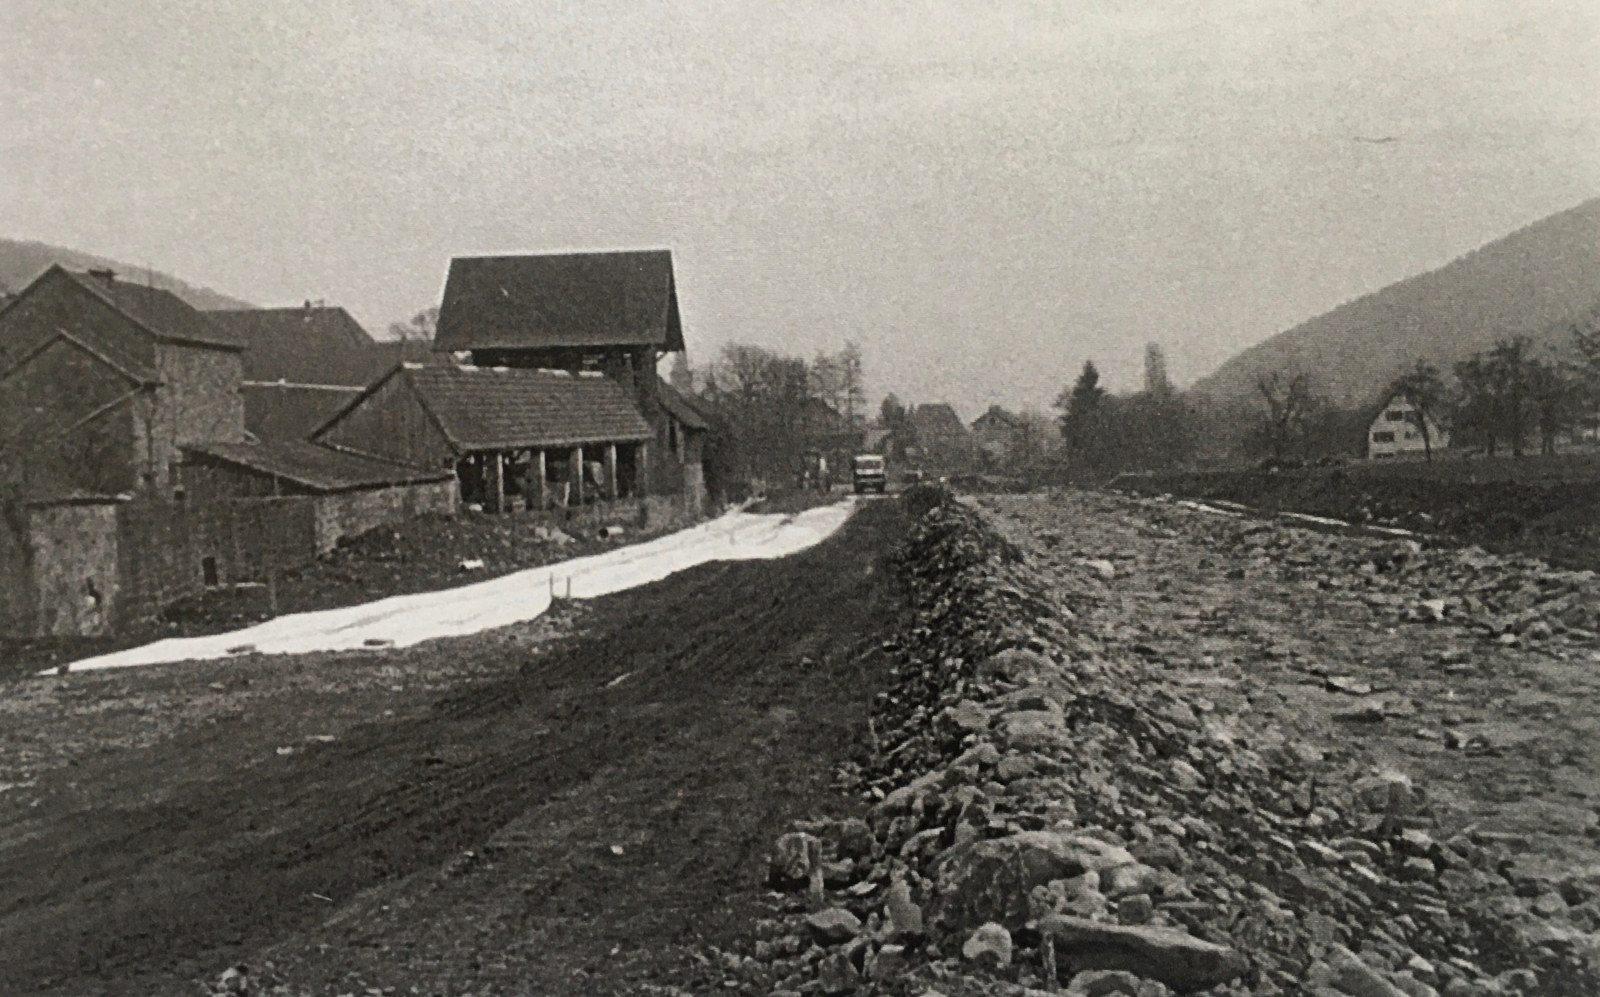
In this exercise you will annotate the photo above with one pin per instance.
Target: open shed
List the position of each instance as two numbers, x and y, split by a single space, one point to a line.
512 436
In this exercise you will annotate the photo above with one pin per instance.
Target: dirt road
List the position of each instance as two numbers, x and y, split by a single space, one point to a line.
550 807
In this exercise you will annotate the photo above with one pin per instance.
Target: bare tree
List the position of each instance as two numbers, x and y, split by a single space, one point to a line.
421 327
1422 387
1289 403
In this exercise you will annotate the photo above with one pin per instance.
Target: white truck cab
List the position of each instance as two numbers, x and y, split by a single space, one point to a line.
869 473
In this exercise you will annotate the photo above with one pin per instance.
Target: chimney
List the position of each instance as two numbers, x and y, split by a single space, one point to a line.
307 315
107 275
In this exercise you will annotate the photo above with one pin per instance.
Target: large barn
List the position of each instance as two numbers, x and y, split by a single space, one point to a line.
614 313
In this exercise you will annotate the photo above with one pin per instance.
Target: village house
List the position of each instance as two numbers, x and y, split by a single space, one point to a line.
103 382
127 477
940 441
998 434
513 437
613 313
302 364
1396 431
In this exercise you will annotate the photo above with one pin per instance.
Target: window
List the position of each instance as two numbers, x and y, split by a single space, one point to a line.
1383 437
1395 415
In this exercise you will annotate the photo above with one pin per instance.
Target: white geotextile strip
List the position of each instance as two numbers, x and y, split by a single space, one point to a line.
404 620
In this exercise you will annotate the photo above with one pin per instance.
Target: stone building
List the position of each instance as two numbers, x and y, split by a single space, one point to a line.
103 382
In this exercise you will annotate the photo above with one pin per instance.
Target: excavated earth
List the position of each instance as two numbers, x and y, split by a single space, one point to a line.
1138 748
573 805
1073 743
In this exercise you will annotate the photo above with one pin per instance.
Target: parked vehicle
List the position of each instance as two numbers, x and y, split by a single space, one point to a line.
869 473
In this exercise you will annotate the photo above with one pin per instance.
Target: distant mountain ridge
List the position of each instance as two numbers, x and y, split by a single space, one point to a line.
22 261
1534 282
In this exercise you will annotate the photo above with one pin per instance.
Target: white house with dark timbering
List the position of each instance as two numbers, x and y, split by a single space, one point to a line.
1396 431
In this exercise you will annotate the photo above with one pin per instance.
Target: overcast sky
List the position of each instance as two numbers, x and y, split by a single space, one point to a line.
983 193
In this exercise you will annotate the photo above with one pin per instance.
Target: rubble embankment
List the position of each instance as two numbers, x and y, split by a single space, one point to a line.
1048 813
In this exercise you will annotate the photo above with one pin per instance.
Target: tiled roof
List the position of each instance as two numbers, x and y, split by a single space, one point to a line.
314 467
305 345
1000 415
162 313
283 411
570 299
938 419
682 408
496 408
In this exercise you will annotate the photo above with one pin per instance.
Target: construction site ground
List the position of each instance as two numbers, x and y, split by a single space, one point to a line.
583 803
566 806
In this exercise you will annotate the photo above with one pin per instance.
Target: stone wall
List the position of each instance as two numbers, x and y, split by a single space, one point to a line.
16 575
73 552
346 514
170 550
198 402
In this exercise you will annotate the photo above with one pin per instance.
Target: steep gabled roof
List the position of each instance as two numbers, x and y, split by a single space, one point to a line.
1000 415
133 369
316 468
161 313
500 408
569 299
305 345
278 410
937 419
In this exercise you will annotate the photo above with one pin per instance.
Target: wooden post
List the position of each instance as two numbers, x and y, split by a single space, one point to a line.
612 492
538 470
641 473
497 474
577 476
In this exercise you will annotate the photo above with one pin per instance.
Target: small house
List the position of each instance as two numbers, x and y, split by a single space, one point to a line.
941 442
998 434
1396 431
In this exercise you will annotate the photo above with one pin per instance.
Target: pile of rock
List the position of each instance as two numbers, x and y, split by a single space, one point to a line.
1509 598
1041 817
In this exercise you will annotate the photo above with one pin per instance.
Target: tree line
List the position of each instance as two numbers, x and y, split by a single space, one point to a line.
1506 399
775 413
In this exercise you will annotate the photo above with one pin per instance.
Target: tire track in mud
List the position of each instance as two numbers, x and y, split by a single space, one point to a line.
162 865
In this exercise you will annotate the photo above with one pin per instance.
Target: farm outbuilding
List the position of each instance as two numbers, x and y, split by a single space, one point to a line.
533 439
614 313
351 493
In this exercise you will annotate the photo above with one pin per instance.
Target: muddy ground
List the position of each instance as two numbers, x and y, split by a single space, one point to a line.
567 806
584 804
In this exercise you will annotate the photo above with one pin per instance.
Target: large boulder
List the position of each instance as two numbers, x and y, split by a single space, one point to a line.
792 860
1179 960
991 879
1034 730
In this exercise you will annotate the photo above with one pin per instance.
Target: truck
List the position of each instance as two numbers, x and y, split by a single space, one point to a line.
869 474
